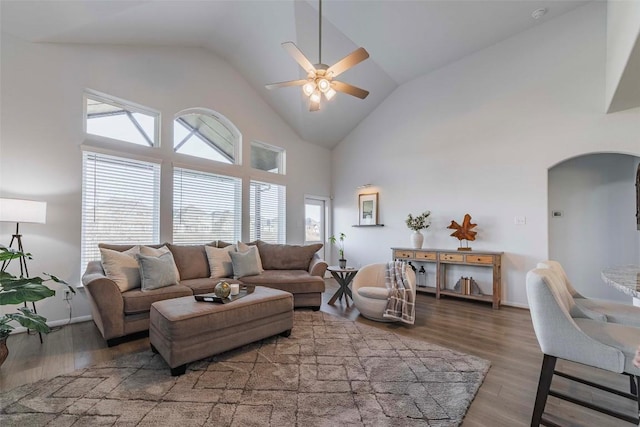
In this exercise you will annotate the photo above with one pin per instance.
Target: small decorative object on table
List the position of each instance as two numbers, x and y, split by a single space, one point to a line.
464 232
420 222
339 242
222 290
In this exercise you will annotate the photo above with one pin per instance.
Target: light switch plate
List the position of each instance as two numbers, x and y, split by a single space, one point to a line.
520 220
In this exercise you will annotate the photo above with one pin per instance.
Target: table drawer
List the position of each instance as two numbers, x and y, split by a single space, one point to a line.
402 254
430 256
480 259
452 257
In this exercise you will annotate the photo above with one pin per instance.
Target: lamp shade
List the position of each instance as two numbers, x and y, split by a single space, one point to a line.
16 210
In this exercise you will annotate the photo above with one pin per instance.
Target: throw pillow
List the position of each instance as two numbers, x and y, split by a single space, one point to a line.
243 247
219 261
157 271
191 261
245 263
121 267
287 257
149 251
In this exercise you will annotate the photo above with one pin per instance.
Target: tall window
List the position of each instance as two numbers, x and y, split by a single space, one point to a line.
120 203
206 134
267 212
206 207
122 120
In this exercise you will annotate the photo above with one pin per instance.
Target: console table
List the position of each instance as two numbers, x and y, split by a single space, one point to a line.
444 257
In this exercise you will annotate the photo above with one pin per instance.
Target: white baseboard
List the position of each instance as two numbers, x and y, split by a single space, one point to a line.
515 304
55 323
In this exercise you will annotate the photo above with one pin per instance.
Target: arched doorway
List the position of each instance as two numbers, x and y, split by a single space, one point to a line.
592 224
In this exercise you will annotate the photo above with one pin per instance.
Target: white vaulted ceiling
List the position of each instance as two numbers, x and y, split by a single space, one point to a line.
405 39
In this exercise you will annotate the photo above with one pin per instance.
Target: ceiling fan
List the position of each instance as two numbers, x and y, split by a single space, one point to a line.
320 77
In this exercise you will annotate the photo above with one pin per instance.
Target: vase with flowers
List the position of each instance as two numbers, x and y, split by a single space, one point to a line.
417 223
339 242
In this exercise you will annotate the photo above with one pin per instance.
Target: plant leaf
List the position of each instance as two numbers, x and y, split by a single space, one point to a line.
30 320
24 292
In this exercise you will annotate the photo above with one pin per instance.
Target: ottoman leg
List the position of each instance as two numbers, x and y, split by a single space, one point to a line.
178 370
154 349
286 333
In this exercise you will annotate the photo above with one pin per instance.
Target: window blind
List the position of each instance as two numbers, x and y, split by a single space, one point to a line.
206 207
267 212
120 203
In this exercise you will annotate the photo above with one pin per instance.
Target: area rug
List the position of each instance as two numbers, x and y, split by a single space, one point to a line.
329 372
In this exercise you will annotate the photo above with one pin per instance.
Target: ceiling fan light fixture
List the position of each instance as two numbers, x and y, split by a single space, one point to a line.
315 97
330 93
309 88
324 85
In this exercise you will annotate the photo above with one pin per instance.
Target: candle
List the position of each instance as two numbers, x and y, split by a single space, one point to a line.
235 288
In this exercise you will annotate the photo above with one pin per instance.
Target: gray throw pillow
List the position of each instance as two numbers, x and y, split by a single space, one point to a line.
157 272
245 263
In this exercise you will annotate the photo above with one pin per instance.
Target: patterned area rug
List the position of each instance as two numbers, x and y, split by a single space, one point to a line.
329 372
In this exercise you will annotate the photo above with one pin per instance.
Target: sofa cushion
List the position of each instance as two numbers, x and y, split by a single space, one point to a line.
245 263
121 267
157 271
294 281
192 261
137 301
374 292
286 257
206 285
220 261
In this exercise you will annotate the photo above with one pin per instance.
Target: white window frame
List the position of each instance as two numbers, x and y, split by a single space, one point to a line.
126 105
155 188
237 150
282 214
237 231
282 156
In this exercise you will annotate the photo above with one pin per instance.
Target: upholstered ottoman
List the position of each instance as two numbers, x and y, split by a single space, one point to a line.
184 330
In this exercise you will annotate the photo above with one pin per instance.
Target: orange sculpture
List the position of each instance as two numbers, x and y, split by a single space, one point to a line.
464 232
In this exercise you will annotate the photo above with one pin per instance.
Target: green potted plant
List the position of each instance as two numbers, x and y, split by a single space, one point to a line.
19 290
339 242
417 223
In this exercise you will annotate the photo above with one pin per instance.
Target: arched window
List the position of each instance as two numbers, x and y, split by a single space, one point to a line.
206 134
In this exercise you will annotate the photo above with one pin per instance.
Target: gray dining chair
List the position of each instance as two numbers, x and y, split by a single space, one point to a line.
565 331
614 312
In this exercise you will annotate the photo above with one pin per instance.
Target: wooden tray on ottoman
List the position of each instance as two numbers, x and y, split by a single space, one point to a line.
244 291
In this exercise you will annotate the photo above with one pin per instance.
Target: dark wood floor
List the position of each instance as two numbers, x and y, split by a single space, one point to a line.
505 337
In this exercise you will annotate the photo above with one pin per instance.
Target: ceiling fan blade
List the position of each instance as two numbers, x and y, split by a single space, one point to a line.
349 89
297 54
285 84
354 58
314 106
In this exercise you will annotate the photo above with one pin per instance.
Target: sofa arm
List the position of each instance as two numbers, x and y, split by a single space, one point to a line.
318 266
107 305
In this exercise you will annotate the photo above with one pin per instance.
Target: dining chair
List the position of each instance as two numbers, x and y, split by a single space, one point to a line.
614 312
565 331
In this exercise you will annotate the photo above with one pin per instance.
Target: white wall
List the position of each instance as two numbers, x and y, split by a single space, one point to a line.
478 136
41 133
597 197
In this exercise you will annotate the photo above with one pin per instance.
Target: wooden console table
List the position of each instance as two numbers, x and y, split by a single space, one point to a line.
441 258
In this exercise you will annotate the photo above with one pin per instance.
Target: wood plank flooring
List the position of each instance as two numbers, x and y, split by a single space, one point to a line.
505 337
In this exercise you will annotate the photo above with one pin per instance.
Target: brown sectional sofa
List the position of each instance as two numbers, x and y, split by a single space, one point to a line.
117 314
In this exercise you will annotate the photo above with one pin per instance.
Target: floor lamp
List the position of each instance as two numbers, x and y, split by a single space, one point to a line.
16 210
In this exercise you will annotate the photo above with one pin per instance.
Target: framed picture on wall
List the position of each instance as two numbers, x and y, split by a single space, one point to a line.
368 209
